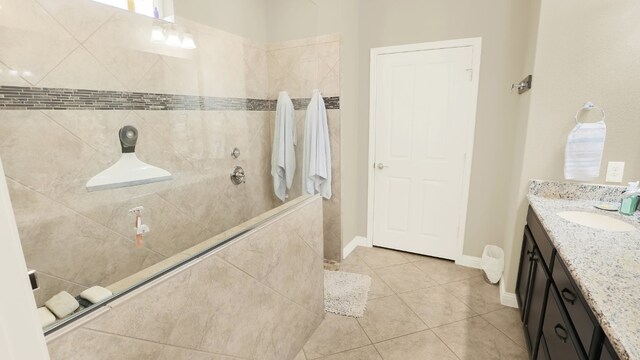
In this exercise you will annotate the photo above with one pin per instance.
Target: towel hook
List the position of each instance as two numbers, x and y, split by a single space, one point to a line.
588 106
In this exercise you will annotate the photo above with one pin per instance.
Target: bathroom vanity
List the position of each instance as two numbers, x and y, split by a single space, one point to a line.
577 286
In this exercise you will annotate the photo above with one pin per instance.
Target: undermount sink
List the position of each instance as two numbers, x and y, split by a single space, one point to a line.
596 221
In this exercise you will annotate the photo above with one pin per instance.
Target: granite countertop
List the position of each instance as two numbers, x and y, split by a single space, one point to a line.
604 264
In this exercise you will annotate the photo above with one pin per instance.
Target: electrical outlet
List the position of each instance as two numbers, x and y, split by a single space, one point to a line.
615 171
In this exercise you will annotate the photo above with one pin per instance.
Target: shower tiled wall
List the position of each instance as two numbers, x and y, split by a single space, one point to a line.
76 239
298 67
260 297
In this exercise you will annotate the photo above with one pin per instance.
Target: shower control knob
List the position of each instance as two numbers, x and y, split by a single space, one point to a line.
238 176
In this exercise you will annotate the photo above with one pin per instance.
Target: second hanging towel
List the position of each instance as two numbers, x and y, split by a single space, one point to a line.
316 160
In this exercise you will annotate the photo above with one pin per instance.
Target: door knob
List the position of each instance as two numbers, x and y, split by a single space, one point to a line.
381 166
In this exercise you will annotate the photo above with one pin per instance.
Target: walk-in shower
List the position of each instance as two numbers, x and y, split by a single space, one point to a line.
85 74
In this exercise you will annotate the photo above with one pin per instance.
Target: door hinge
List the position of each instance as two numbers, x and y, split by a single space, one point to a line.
470 72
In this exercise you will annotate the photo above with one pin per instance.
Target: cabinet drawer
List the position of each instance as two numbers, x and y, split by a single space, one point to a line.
542 240
558 333
579 312
543 351
608 353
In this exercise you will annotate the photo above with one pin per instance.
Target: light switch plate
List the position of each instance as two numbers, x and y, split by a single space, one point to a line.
615 171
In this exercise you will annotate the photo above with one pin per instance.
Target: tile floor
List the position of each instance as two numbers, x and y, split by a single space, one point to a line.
419 308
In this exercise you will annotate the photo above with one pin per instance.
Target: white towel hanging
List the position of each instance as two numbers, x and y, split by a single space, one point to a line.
283 156
316 163
585 145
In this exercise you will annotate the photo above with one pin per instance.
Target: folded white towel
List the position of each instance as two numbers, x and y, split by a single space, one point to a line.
46 317
62 305
95 294
583 154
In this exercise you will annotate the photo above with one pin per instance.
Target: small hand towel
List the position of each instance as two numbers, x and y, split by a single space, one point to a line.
583 154
62 304
46 317
95 294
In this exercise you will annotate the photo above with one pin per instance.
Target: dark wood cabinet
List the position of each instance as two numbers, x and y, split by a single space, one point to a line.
557 321
608 353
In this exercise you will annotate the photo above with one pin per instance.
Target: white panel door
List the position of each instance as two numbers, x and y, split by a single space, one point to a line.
422 111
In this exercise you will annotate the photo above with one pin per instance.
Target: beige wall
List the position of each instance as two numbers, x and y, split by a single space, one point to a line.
246 18
586 51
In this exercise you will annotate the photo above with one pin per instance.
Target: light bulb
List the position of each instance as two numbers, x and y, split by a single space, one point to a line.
157 35
187 42
173 39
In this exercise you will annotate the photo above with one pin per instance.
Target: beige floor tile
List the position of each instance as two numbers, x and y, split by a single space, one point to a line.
300 356
436 306
508 321
378 288
411 257
335 334
420 346
365 353
379 257
445 271
404 277
475 338
477 294
389 317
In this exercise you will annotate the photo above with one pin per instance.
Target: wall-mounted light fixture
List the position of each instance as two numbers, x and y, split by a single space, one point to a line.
171 37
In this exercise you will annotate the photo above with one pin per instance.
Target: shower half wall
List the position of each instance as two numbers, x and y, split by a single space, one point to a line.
73 81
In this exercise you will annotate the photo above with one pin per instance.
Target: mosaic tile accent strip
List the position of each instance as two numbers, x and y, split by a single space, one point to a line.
38 98
329 102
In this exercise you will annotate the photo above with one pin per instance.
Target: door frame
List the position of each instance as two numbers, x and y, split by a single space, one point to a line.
476 46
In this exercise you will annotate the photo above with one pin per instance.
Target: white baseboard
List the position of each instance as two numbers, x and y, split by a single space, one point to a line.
356 241
507 298
469 261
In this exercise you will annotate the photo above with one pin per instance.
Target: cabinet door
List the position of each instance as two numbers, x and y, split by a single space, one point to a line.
535 302
558 333
524 271
608 353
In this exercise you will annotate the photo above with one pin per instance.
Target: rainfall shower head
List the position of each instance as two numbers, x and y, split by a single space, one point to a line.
128 170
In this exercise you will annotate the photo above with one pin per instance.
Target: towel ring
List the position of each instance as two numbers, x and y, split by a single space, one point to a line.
587 107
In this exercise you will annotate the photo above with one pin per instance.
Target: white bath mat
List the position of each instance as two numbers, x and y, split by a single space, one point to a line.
346 293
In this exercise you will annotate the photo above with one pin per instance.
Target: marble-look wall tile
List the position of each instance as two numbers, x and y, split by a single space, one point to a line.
80 70
79 17
122 46
65 244
214 307
31 40
298 68
291 265
197 204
